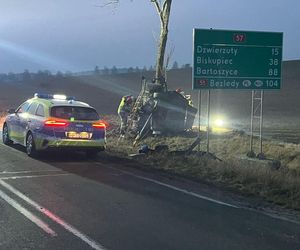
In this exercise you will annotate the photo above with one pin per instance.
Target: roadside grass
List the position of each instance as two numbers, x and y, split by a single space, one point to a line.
279 185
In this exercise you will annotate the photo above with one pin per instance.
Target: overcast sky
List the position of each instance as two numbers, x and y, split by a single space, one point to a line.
76 35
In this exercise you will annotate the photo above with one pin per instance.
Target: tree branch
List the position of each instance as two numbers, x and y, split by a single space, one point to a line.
160 13
110 2
164 6
165 9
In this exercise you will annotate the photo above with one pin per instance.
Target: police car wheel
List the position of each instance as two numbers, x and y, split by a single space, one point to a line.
5 135
30 145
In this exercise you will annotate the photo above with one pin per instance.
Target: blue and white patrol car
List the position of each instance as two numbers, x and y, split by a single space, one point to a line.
55 121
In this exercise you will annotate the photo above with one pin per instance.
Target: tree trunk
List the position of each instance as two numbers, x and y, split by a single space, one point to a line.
160 67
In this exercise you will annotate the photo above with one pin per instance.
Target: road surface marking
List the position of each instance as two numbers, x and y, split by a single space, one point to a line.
202 197
54 217
205 197
29 171
27 214
31 176
272 215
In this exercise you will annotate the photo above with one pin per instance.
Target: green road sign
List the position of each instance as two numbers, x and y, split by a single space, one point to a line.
237 59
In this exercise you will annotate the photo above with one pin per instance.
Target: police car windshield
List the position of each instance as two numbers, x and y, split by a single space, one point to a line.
78 113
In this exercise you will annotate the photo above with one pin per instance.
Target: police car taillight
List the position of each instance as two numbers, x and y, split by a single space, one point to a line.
55 123
100 124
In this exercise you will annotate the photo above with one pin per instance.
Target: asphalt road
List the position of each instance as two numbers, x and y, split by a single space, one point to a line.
64 201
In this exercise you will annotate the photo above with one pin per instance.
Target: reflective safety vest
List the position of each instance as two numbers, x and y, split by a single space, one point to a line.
123 106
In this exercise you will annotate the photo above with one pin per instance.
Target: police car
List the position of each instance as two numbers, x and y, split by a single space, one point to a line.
55 121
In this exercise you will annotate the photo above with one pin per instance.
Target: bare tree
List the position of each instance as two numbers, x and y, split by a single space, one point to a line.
163 8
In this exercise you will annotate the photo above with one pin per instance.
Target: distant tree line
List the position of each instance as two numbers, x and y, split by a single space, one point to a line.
43 75
29 76
114 70
40 75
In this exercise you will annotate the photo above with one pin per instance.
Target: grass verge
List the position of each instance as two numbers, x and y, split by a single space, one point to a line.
280 185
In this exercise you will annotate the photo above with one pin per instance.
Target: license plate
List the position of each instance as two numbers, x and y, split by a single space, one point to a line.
81 135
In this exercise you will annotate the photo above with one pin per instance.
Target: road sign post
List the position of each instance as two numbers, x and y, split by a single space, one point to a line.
208 120
199 119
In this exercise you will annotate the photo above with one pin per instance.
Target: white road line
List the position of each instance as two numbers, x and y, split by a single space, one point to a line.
30 176
205 197
27 214
202 197
28 171
55 218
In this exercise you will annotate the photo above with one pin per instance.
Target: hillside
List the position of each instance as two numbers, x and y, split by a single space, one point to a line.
104 93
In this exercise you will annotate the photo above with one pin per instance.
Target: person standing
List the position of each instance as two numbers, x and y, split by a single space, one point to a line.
124 111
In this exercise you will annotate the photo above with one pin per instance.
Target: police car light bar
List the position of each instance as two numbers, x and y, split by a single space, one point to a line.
43 96
55 96
60 97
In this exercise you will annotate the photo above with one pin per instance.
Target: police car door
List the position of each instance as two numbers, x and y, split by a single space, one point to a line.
15 122
27 121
